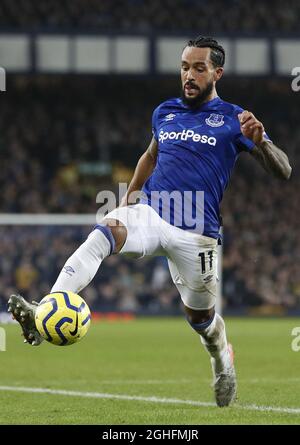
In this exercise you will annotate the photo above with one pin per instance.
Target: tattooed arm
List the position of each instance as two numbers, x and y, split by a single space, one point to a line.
272 158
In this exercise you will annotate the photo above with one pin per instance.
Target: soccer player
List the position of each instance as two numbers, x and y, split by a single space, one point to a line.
182 174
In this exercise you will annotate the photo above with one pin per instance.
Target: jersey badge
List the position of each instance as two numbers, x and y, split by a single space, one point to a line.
215 120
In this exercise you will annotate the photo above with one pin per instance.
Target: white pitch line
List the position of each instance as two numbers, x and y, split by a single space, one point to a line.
153 399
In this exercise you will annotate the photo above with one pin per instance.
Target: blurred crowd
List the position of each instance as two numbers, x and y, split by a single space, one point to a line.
212 16
63 130
51 127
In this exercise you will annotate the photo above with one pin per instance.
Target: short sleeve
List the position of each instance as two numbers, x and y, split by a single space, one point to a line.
243 143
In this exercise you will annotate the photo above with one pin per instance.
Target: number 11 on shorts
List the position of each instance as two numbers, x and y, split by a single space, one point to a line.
210 259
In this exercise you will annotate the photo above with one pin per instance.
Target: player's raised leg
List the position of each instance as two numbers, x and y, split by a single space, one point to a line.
81 267
77 273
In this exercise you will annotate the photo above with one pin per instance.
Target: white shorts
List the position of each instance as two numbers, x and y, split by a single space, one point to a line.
192 258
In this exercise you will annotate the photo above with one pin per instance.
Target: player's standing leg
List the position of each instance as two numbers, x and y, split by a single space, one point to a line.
211 328
196 281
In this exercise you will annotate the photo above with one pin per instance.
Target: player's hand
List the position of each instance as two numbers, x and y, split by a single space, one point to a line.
251 127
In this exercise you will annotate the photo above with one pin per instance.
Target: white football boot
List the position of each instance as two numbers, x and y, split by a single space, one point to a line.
225 384
24 313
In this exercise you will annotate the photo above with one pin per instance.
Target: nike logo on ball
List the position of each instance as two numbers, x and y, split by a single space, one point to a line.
76 326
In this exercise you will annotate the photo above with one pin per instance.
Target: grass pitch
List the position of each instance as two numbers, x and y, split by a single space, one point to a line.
125 373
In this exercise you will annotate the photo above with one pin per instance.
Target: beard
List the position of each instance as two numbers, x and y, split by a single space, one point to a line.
197 101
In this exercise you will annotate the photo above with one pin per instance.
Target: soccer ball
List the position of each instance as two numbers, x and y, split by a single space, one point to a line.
62 318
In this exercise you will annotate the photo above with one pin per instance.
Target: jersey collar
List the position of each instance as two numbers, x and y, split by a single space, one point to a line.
205 106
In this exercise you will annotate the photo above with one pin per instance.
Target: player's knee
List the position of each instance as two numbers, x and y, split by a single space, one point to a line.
199 320
118 231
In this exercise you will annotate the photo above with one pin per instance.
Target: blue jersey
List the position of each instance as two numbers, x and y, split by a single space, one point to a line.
197 150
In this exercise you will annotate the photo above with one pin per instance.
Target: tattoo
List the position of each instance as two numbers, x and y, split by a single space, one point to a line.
272 159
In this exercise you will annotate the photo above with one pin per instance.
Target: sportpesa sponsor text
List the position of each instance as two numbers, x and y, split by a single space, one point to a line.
186 135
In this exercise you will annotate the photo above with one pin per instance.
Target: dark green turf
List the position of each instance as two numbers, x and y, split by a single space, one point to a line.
151 357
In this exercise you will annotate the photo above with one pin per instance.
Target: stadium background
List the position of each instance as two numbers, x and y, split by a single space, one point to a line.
82 82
